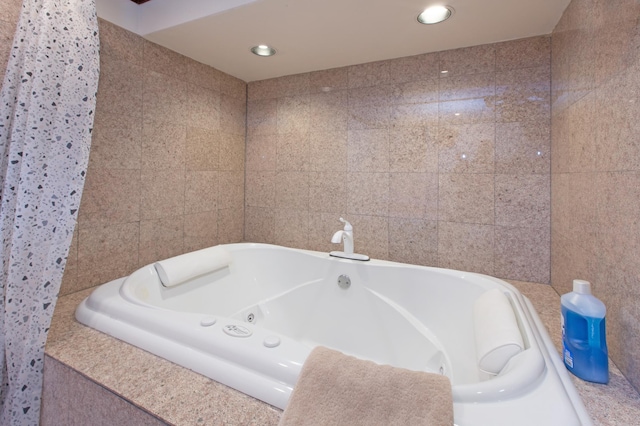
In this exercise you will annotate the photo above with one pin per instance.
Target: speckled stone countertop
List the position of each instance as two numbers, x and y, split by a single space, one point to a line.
182 397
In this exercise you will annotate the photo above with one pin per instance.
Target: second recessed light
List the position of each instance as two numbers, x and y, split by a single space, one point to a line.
263 50
435 14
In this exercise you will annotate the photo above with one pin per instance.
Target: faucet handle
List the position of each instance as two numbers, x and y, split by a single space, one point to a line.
347 225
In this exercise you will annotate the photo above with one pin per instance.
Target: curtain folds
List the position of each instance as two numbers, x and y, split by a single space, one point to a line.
46 104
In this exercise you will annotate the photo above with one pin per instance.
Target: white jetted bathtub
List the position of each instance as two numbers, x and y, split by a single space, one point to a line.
251 316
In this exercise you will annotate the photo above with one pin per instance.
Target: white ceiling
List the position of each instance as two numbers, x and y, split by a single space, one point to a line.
313 35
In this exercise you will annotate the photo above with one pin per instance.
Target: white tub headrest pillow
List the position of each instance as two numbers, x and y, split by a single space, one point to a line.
497 333
179 269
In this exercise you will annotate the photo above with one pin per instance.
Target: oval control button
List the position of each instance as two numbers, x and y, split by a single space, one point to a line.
237 330
271 341
208 321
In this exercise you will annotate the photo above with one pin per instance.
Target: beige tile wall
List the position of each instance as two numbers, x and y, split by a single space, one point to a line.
449 169
596 164
166 171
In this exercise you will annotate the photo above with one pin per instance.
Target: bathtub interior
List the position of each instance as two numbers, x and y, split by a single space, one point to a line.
390 314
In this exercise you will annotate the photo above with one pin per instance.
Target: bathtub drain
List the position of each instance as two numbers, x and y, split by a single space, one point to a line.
344 282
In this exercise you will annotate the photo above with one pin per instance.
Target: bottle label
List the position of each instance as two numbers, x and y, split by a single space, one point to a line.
568 359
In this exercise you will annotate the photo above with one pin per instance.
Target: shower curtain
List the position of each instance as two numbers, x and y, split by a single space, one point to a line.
46 104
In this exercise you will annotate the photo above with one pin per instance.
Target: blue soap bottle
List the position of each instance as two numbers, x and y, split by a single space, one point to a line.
584 343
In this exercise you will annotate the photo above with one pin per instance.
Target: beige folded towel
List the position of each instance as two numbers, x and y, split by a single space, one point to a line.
337 389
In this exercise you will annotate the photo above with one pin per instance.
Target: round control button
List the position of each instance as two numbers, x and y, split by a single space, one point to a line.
237 330
208 321
271 341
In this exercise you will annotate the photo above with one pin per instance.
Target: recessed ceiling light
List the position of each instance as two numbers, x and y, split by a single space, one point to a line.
435 14
263 50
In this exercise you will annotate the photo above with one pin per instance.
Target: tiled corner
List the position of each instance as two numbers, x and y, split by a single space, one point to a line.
259 225
292 190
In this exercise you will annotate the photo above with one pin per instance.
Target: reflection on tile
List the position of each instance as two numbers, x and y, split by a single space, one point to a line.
467 148
468 60
327 80
523 94
414 115
261 152
524 53
423 91
523 147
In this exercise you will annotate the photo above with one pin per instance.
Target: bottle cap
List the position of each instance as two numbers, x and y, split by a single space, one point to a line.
581 287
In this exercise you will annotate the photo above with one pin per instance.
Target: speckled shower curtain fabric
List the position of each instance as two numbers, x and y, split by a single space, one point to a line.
47 104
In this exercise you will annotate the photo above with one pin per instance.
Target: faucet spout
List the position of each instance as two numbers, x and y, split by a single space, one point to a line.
346 237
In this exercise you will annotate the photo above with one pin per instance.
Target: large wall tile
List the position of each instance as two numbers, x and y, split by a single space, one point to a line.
466 246
110 196
162 194
467 198
160 239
